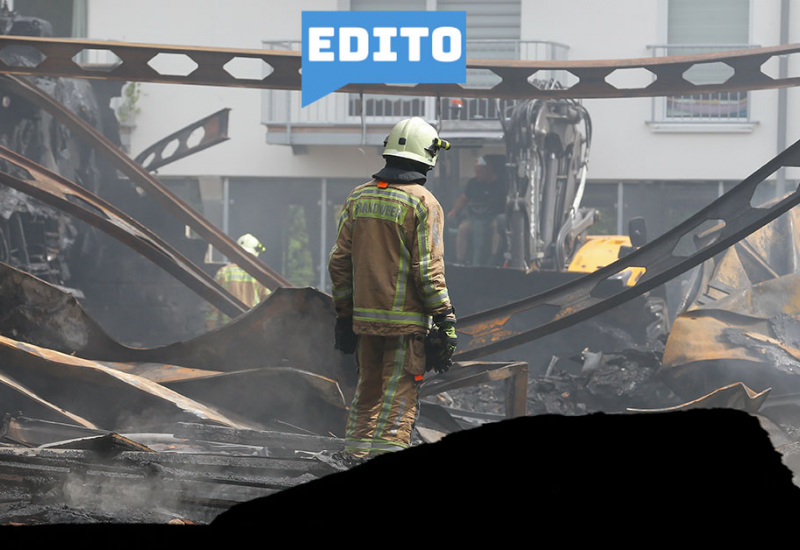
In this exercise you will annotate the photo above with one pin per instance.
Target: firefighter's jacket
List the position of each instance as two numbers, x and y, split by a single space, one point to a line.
387 265
240 284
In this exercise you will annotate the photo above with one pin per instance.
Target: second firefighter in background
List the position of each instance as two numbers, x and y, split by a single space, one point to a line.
239 283
388 281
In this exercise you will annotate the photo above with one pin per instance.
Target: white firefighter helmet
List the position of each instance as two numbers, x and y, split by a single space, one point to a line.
414 139
251 244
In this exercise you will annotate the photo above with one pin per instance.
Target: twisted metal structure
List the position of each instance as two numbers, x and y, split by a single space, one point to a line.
493 330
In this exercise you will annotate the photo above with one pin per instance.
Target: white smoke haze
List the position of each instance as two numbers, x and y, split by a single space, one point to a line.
125 499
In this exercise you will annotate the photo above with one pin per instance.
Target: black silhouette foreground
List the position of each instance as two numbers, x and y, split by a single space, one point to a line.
695 469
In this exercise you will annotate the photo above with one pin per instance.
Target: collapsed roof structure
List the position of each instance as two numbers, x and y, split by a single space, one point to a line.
248 410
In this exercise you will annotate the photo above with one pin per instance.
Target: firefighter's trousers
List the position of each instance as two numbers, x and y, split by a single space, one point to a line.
386 401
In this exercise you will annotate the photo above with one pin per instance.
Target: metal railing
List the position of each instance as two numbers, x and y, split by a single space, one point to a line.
722 107
281 107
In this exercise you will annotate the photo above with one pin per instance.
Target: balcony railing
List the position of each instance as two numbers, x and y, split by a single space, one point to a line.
349 118
722 107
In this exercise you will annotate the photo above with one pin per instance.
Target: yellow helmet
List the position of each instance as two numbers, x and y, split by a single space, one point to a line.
251 244
414 139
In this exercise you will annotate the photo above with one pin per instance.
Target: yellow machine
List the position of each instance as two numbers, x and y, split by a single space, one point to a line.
602 250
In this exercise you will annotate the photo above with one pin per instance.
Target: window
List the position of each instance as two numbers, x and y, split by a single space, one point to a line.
704 26
493 31
386 106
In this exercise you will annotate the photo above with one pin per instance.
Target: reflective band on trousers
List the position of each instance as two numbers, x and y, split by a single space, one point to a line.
400 317
372 447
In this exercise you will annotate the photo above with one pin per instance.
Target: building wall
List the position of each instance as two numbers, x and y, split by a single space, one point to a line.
627 146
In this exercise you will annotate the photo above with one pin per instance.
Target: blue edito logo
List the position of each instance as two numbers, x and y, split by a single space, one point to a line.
390 47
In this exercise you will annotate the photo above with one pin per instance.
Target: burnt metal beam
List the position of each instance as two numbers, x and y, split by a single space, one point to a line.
24 175
32 432
214 130
138 175
134 62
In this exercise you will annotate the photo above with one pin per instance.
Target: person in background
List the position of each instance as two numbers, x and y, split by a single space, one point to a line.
480 214
239 283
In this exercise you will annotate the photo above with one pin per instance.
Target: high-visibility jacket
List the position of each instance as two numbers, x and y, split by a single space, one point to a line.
387 265
240 284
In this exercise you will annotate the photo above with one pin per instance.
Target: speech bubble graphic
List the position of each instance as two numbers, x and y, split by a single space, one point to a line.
389 47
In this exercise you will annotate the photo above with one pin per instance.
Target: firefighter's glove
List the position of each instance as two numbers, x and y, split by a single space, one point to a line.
344 337
441 343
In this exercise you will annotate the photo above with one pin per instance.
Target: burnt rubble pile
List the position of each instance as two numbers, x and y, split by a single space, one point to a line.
589 383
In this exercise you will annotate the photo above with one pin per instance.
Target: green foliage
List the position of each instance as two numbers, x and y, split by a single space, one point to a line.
129 106
299 265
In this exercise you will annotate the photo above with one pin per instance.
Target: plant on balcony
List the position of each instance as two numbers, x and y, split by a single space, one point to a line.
128 107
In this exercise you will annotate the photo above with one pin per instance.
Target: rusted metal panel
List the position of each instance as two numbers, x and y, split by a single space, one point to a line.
117 399
741 315
32 432
145 180
26 176
214 129
733 396
106 445
750 336
270 395
282 70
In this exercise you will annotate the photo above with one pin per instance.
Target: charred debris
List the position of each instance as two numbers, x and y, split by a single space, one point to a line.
95 431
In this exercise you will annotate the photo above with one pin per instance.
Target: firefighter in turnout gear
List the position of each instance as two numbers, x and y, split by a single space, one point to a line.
389 290
239 283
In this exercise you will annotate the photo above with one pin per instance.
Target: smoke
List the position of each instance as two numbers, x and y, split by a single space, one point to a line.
123 497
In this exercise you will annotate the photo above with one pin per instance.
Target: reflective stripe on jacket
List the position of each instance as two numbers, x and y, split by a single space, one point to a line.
387 265
240 284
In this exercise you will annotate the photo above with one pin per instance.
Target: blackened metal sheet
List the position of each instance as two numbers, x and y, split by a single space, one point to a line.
24 175
34 311
282 70
277 397
292 328
214 129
